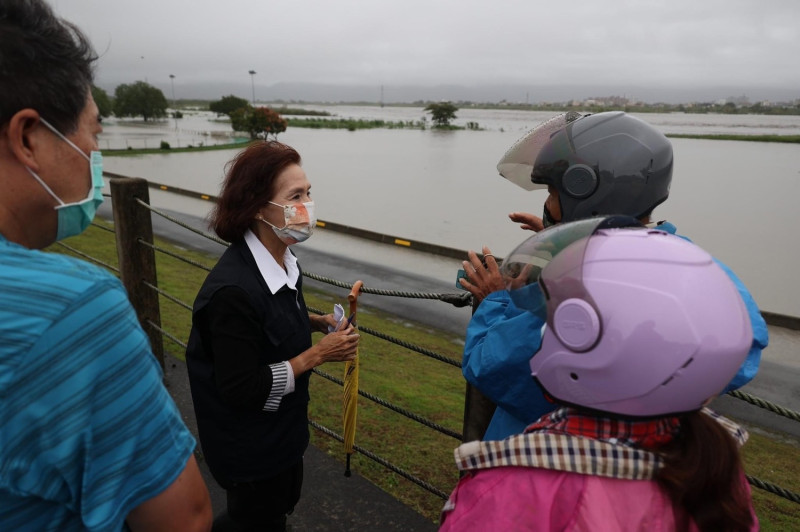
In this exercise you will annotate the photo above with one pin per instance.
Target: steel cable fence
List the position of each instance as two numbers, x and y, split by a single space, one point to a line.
455 299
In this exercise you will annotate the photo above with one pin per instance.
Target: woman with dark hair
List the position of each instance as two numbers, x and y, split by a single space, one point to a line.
250 354
643 329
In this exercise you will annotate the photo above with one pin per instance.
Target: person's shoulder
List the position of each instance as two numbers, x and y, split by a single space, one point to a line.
232 269
35 267
51 283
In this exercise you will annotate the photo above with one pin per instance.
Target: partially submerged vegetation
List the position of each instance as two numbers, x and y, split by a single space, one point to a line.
616 104
791 139
294 111
352 124
165 148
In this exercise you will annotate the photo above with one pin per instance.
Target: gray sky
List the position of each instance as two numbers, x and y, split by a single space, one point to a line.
634 47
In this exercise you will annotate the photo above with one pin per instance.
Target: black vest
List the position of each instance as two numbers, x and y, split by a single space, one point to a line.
242 445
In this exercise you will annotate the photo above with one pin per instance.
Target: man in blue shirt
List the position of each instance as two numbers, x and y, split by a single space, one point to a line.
89 437
601 164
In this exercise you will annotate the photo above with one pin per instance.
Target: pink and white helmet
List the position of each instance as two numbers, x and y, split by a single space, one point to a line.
639 322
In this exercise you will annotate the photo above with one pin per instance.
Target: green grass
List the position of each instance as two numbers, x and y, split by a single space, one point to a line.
184 149
774 459
792 139
417 383
353 124
289 111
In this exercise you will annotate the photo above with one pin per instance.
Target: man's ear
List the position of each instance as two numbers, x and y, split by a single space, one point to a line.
24 137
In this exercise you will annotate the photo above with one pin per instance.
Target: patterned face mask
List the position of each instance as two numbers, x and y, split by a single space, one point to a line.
299 222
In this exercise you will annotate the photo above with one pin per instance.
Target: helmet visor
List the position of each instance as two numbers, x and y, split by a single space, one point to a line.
517 163
527 264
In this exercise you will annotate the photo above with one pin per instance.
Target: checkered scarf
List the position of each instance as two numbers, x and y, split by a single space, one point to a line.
649 434
567 440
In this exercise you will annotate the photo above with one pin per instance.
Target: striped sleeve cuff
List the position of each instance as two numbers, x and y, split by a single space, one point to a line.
281 377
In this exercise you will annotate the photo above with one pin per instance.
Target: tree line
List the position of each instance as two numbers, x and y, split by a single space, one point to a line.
147 101
142 99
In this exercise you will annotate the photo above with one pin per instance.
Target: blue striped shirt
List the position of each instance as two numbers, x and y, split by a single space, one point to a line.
87 430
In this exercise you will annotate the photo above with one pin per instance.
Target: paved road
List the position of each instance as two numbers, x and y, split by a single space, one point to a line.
348 259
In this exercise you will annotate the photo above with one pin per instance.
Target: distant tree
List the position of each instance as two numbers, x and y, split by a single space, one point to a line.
442 113
258 121
103 102
139 99
228 104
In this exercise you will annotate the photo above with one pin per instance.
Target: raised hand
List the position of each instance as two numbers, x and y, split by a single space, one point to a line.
482 280
527 221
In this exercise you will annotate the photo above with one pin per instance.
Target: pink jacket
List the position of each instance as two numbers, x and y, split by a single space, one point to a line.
520 498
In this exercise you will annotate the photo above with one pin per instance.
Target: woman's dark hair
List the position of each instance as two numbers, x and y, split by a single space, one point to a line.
45 64
703 474
249 184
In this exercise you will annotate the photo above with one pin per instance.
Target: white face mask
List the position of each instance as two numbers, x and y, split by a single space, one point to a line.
299 222
74 218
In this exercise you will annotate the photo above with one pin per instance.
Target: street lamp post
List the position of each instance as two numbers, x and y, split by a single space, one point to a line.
143 68
174 110
253 85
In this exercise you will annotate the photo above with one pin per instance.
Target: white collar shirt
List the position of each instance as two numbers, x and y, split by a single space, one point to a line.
275 276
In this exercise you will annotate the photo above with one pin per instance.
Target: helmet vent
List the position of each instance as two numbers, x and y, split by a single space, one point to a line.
573 376
687 363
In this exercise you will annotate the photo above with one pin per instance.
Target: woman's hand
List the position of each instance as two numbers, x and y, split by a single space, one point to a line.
527 221
482 280
338 346
321 323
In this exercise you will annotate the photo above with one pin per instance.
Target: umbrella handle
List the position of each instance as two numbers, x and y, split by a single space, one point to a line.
352 297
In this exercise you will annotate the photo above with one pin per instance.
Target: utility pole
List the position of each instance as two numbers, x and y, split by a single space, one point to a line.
172 82
174 110
253 85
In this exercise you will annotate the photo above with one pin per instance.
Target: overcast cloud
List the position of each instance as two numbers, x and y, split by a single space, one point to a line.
636 47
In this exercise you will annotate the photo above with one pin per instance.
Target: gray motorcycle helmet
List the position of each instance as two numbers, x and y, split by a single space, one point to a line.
601 164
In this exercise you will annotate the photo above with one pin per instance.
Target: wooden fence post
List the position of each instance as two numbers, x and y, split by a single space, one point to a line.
478 409
137 262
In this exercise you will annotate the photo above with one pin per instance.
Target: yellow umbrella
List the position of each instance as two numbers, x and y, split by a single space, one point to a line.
350 399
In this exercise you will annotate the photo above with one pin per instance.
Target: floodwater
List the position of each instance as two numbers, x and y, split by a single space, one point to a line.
736 199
